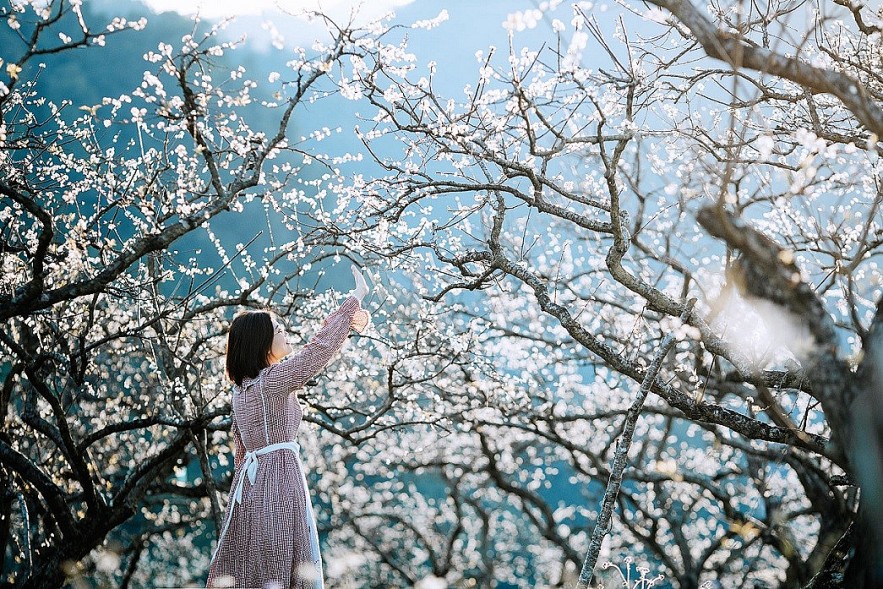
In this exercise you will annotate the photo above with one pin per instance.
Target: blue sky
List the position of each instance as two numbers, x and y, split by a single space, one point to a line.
472 24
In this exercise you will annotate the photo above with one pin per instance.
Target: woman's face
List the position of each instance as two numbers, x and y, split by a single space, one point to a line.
281 347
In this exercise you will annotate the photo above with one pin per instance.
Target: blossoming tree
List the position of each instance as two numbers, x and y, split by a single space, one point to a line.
112 318
714 179
725 159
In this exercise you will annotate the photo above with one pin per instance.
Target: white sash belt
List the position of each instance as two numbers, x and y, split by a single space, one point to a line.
250 466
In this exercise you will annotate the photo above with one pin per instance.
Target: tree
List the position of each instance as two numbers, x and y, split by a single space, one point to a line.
573 214
532 246
113 322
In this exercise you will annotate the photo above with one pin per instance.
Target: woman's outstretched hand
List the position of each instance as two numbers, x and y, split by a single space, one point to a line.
360 320
361 286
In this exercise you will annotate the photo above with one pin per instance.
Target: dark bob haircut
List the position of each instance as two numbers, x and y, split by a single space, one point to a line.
248 345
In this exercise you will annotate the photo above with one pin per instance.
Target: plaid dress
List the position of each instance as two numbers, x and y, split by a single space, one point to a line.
269 539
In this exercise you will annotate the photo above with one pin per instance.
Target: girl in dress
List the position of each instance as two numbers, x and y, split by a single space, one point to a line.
269 538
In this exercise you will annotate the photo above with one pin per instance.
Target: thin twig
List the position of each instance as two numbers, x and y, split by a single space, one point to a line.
621 456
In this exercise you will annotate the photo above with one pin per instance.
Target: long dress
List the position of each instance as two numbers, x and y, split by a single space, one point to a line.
268 539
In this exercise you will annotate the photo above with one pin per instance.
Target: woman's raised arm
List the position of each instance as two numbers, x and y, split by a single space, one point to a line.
293 372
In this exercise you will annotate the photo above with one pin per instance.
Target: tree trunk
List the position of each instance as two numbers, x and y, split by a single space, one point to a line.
865 570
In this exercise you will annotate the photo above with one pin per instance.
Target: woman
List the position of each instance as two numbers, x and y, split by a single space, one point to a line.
268 539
